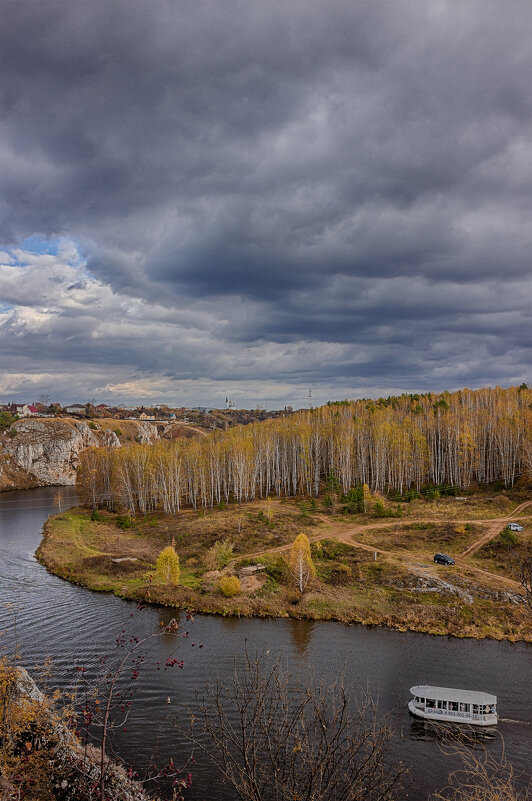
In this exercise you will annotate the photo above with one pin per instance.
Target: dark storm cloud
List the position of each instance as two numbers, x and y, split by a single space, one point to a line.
347 181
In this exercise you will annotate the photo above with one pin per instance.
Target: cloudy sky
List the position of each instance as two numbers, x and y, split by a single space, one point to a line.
256 199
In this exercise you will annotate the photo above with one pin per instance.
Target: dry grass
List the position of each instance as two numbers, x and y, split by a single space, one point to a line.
498 556
350 585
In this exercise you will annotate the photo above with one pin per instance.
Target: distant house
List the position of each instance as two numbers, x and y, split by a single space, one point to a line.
23 410
102 406
77 409
144 416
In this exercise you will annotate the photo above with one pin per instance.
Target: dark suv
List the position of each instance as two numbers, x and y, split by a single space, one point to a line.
443 559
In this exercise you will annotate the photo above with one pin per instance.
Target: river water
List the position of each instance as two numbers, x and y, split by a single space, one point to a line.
75 626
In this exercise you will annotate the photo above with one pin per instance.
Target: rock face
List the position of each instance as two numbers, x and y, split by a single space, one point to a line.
43 452
73 770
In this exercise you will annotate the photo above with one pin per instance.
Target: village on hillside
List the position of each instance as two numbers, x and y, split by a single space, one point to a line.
201 416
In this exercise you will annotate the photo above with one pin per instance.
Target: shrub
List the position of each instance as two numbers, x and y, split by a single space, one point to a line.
93 426
96 516
168 570
118 432
328 502
508 538
124 522
411 495
333 549
340 574
230 585
219 555
303 509
276 568
353 500
293 597
379 510
6 418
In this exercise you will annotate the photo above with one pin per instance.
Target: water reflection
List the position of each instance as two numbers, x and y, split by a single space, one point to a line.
451 733
301 635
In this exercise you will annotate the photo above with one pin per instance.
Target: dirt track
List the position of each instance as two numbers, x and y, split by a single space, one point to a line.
346 534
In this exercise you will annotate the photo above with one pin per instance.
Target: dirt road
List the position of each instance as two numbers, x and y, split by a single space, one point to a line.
346 533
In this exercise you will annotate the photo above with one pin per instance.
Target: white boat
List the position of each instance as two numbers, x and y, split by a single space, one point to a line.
454 706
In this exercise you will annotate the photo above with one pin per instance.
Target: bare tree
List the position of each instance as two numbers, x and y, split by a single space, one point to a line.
277 739
105 706
481 777
522 571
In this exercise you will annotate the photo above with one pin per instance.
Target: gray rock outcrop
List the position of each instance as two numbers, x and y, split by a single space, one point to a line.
38 452
48 451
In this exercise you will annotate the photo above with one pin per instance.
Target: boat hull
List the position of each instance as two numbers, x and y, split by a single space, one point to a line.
445 716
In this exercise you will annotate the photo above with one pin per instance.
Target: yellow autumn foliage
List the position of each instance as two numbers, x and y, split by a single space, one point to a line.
168 570
230 585
301 564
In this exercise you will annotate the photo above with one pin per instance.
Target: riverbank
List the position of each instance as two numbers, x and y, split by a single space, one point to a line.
42 758
368 570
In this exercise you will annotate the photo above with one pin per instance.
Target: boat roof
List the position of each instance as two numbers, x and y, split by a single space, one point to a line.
450 694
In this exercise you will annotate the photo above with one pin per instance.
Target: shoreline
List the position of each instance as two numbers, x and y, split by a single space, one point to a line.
368 603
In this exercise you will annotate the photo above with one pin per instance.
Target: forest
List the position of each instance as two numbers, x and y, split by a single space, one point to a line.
395 445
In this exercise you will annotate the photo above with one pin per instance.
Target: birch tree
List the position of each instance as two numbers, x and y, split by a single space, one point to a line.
301 564
168 569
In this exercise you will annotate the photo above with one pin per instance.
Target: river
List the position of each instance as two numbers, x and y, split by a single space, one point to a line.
75 626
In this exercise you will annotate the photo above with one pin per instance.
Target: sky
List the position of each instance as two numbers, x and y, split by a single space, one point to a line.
201 200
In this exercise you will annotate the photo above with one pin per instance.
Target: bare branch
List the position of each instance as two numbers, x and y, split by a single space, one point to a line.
278 739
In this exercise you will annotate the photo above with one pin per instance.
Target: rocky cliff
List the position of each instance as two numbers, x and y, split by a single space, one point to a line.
53 762
41 452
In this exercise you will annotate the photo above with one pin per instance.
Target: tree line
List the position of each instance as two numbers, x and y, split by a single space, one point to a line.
394 444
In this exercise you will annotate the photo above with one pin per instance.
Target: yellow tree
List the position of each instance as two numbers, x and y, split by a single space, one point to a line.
301 564
366 495
168 566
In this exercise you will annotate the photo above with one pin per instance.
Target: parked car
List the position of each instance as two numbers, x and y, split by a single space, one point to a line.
514 527
443 559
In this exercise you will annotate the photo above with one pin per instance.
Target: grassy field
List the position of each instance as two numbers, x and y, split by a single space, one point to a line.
369 570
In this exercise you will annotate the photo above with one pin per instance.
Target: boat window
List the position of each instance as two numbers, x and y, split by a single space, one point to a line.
475 709
421 700
442 704
431 704
465 708
453 705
